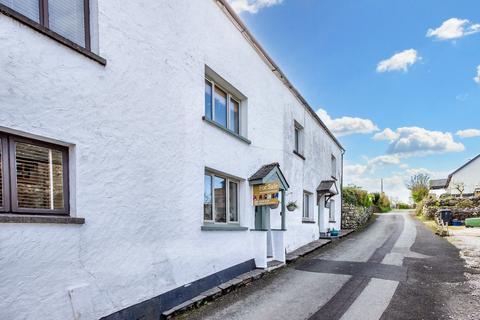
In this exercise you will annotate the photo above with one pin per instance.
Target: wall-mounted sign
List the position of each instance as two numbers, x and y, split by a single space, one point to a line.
266 194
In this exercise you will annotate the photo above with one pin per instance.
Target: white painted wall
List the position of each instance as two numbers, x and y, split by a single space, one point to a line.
469 176
139 149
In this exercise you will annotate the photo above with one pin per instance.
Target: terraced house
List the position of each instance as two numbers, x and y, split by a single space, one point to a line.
149 150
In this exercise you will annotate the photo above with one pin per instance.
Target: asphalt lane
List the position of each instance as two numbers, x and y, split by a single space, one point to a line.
394 269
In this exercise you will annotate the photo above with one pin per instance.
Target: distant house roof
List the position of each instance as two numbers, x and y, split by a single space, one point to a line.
466 164
438 184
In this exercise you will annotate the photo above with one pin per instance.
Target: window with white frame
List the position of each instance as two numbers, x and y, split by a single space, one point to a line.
306 205
334 166
222 107
220 201
298 138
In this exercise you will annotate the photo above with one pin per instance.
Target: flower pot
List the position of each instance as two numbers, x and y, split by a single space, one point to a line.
274 206
291 208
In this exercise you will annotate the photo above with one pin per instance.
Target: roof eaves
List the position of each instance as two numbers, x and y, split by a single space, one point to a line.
228 10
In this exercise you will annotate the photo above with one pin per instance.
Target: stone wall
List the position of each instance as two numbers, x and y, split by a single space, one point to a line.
462 208
354 217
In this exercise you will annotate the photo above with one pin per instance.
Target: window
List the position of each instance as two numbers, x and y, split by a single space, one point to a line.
298 139
331 206
222 107
34 176
68 18
306 205
334 167
220 195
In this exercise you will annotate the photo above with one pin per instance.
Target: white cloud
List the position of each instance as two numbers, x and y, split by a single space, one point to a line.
345 126
477 78
468 133
399 61
387 134
411 141
252 6
454 28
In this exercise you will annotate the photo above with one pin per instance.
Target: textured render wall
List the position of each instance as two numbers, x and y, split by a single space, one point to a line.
138 158
470 176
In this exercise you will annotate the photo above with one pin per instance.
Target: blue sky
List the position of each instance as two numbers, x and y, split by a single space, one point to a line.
398 79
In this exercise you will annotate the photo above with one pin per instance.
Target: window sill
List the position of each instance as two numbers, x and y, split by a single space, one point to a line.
233 134
49 33
308 221
223 228
19 218
298 154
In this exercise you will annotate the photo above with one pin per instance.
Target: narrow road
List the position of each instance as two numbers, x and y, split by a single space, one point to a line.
395 269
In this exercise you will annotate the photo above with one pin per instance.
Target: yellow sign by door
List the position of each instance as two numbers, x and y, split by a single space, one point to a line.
266 194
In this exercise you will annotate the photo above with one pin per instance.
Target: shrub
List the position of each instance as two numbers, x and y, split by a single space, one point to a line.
356 196
465 203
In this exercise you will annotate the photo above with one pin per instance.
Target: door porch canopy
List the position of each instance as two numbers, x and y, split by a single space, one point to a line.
271 173
327 188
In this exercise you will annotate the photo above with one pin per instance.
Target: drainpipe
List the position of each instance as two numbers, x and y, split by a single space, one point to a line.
341 190
284 227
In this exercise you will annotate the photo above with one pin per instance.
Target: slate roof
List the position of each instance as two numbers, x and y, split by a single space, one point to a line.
326 185
264 171
438 184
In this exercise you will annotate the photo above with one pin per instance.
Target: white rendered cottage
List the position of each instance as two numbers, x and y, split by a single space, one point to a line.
466 179
133 136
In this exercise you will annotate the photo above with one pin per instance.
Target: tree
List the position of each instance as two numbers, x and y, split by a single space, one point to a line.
460 187
419 186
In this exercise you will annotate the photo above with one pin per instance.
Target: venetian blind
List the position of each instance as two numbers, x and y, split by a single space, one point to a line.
39 173
66 17
28 8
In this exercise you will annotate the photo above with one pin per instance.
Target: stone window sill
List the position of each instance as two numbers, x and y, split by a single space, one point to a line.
299 154
223 228
20 218
308 221
49 33
233 134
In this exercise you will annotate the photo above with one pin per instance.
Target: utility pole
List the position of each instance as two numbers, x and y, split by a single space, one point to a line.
381 183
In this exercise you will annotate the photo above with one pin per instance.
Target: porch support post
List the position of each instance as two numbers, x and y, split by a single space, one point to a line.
284 227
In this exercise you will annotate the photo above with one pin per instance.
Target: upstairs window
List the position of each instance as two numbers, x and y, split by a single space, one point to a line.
298 139
334 166
222 107
220 200
34 176
68 18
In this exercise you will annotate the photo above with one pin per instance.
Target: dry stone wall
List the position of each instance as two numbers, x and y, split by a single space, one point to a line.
354 217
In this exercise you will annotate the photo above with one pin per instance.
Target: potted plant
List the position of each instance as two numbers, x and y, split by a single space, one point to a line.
292 206
274 206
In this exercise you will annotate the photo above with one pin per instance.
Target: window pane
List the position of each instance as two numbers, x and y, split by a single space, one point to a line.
39 177
233 198
28 8
234 116
208 100
220 107
219 192
297 139
207 198
66 17
305 205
